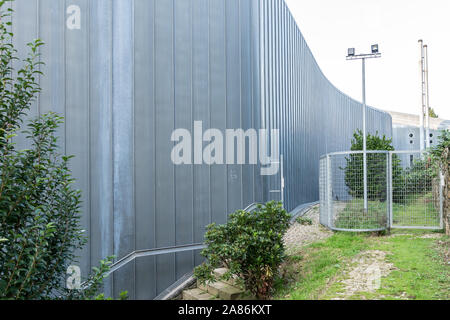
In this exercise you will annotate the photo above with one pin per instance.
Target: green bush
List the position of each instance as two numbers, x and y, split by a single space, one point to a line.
250 246
39 208
376 168
418 178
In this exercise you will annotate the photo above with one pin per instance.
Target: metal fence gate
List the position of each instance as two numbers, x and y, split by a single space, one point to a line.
404 191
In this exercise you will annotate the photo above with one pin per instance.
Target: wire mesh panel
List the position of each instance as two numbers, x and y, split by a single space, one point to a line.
348 209
323 194
416 191
403 190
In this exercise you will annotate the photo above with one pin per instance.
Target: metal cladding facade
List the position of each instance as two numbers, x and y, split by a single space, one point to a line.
126 73
314 117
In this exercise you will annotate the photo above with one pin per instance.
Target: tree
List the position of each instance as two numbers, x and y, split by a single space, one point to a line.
376 167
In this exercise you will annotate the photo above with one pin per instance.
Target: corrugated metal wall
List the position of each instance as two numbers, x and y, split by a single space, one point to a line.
137 69
315 118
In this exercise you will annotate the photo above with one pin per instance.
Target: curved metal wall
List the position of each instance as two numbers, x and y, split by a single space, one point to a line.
134 71
314 117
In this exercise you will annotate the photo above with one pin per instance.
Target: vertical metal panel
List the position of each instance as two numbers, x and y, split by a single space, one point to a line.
218 84
123 124
77 115
145 152
256 58
201 112
233 46
246 99
183 119
165 115
138 69
101 136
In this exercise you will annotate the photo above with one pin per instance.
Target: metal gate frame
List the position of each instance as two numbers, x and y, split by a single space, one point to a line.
326 214
390 191
326 191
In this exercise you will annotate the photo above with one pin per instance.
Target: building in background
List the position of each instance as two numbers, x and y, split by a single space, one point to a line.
406 130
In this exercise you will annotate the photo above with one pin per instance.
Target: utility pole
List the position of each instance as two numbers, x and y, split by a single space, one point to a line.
423 95
352 56
427 112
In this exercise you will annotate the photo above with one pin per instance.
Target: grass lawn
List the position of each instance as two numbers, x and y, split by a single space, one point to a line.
418 211
420 270
353 215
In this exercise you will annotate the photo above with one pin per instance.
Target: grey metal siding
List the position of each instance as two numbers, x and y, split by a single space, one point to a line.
313 116
138 69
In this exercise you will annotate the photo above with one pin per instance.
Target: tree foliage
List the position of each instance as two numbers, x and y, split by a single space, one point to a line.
414 179
376 167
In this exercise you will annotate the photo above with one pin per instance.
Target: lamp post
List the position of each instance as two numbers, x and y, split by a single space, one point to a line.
353 56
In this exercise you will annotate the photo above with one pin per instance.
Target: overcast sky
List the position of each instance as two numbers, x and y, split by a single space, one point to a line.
393 82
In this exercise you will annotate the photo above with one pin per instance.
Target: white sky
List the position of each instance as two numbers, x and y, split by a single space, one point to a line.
393 82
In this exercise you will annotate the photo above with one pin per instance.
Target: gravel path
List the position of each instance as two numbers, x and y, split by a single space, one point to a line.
299 235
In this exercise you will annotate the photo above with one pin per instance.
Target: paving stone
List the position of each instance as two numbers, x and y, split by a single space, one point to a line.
197 294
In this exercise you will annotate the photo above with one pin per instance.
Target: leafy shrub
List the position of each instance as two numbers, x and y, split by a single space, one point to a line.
39 209
418 178
250 246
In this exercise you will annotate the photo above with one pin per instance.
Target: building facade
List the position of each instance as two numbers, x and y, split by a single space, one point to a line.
126 73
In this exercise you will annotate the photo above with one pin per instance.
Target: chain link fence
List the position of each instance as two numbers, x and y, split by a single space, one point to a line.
403 191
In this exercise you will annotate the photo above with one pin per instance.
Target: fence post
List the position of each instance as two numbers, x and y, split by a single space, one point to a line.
388 194
329 191
441 198
282 180
391 191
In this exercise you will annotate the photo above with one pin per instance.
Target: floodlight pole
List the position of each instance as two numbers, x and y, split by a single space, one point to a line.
363 57
366 202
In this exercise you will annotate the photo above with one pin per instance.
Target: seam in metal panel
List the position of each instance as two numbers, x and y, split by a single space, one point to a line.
174 71
133 119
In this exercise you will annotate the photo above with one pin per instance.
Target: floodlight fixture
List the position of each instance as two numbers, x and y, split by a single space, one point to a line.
375 49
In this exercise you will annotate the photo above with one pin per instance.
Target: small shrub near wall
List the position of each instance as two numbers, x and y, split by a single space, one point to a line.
250 246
